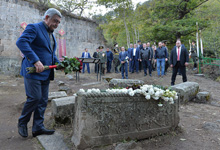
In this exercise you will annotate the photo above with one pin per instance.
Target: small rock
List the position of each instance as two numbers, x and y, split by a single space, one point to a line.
126 146
199 75
61 83
211 126
203 97
70 77
65 88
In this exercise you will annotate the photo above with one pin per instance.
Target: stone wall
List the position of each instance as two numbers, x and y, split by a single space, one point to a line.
80 32
103 118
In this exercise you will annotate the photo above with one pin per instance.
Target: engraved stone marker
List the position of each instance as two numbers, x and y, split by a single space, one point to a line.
104 118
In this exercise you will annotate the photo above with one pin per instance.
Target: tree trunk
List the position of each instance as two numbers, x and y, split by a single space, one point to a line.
127 31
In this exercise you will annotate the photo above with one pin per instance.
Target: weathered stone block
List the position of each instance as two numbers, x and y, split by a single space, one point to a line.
65 88
53 95
124 82
203 97
104 118
63 109
187 91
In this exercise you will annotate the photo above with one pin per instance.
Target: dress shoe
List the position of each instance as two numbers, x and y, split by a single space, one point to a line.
43 131
22 130
150 75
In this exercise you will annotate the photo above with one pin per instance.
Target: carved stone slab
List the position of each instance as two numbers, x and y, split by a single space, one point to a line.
124 83
104 118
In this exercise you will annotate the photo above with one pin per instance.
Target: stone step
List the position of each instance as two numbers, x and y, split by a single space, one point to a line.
52 142
53 95
63 109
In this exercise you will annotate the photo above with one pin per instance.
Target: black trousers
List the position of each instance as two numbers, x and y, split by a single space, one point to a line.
175 71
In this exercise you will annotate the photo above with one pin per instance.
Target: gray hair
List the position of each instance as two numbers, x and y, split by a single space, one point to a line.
51 12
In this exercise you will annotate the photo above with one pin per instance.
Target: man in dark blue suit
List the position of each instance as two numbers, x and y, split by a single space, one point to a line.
135 58
140 47
109 60
123 57
129 54
179 59
86 54
38 45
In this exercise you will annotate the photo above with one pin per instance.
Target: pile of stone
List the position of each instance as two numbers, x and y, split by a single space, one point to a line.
189 91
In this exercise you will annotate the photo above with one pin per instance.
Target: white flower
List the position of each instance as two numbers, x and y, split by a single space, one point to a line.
155 97
131 93
89 91
151 91
138 91
171 102
157 94
124 91
171 99
160 105
82 90
147 96
176 97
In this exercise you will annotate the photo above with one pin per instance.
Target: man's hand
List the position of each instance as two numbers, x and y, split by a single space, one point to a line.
122 62
130 59
155 60
171 66
166 59
140 60
186 64
149 59
39 66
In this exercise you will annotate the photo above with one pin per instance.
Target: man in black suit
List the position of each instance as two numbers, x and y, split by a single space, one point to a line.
95 55
179 59
140 46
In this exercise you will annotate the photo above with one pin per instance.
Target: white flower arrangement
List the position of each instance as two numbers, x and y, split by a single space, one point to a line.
149 91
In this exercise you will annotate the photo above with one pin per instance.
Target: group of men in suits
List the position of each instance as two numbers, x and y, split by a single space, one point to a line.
141 56
144 54
106 58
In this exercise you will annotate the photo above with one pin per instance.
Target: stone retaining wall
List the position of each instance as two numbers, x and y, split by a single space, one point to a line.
103 119
80 33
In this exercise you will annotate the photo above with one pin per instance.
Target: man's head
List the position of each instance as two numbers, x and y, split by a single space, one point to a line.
116 45
178 43
122 49
86 49
101 48
131 45
160 44
193 42
144 45
164 43
135 45
52 18
148 44
107 49
139 42
97 50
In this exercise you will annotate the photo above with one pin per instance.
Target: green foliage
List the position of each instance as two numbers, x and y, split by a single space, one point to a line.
70 64
157 20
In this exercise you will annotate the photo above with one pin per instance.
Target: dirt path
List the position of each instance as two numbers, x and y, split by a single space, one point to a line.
194 118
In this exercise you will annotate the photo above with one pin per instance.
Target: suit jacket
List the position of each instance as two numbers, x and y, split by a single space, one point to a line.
123 56
184 56
95 55
136 53
129 52
109 56
84 54
34 43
